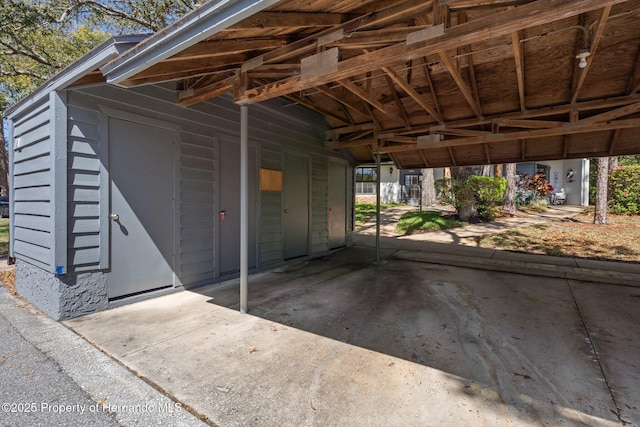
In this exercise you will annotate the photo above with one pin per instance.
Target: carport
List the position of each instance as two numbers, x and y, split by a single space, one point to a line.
422 84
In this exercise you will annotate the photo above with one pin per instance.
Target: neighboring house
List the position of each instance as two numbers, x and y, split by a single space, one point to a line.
403 186
120 192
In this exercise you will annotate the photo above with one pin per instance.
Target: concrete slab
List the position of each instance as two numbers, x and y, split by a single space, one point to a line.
344 341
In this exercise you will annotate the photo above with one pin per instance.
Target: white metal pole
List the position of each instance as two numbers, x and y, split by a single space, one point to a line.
378 207
244 208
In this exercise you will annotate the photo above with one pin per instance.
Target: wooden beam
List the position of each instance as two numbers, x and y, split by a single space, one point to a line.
300 100
518 55
452 156
487 153
227 47
565 148
396 97
195 96
613 114
360 143
528 124
634 81
376 18
362 94
614 141
527 134
594 47
461 83
287 20
529 15
523 149
413 94
424 158
432 88
325 90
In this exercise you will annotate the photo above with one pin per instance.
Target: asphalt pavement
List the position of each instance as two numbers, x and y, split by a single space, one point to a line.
50 376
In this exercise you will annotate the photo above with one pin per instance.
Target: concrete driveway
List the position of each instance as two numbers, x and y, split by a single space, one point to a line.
343 341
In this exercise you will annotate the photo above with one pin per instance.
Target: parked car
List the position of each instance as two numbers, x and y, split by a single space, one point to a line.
4 206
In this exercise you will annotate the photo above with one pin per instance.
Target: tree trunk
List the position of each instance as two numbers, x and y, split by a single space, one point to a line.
510 194
497 170
600 217
428 188
465 200
4 166
486 170
613 163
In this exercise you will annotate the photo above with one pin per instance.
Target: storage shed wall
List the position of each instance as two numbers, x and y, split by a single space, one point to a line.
275 128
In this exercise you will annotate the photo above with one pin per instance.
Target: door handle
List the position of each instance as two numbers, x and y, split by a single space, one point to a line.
286 211
115 217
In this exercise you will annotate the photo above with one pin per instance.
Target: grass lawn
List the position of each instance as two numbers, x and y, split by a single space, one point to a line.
578 237
364 211
412 222
4 236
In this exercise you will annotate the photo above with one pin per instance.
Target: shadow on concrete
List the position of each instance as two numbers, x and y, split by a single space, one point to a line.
520 337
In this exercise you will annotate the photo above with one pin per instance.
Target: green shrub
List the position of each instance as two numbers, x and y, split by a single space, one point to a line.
488 193
624 190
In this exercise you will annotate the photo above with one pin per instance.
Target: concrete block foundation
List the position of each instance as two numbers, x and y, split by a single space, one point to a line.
62 297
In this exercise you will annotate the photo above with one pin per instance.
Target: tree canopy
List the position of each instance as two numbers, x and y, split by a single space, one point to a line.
38 38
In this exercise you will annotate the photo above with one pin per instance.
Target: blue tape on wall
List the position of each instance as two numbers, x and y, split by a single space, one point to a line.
59 270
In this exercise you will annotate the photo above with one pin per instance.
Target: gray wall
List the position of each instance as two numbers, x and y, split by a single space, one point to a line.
274 130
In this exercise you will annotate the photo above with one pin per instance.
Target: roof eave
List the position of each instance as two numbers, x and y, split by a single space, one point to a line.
194 27
91 61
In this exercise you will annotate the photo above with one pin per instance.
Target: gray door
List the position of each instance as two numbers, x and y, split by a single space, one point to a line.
141 163
296 206
337 204
229 208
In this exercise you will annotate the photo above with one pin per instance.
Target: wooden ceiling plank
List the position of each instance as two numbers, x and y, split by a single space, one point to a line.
487 154
409 90
523 149
461 83
518 55
565 146
597 35
535 13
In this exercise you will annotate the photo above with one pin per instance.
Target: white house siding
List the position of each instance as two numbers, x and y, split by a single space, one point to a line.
32 175
273 130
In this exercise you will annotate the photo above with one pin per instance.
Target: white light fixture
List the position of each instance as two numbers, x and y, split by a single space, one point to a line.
582 56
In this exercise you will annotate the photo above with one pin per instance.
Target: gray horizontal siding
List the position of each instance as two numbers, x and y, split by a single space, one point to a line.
32 223
83 186
272 128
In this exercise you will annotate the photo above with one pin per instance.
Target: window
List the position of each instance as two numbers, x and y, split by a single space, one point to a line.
366 181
